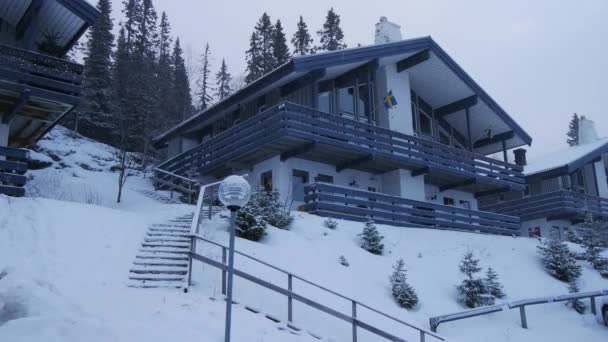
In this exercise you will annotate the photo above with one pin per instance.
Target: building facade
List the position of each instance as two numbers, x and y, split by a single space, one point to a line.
395 131
37 85
560 187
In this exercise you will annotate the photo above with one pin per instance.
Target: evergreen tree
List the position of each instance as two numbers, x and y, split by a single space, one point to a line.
93 117
164 71
573 129
280 51
223 80
330 223
132 11
301 40
331 36
253 55
203 83
371 240
268 202
472 291
403 292
492 285
576 304
592 242
573 236
182 104
249 224
558 260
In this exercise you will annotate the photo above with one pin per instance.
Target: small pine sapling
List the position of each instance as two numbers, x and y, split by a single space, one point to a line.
492 285
403 292
576 304
343 261
558 260
371 240
592 242
471 291
330 223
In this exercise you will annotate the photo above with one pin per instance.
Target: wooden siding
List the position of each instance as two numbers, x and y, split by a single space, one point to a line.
12 171
301 96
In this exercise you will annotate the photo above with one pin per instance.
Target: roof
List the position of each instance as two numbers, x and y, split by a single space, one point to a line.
567 160
67 18
458 82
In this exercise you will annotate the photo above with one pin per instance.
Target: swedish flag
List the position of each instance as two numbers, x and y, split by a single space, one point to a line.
389 100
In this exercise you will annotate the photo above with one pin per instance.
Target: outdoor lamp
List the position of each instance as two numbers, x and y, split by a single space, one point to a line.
234 192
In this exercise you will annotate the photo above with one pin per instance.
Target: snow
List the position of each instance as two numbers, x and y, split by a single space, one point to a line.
65 254
562 157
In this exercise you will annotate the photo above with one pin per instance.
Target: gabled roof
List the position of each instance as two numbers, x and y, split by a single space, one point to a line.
566 160
390 52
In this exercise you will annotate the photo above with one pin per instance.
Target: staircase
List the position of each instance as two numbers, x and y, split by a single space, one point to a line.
162 260
158 197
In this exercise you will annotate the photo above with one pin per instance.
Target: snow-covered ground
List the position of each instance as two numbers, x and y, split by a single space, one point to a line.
64 262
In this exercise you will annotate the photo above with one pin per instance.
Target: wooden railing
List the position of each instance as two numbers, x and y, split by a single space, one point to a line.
520 304
40 71
13 165
290 120
557 203
354 204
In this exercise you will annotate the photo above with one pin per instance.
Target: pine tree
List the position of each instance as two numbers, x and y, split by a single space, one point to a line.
558 260
471 290
371 240
260 56
223 80
253 55
268 202
573 236
331 36
576 304
165 72
492 285
301 40
330 223
280 51
572 133
592 242
203 83
403 292
249 224
182 105
94 115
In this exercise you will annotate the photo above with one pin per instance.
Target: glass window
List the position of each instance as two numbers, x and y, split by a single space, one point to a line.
444 137
363 101
414 121
325 102
346 99
465 204
426 123
266 180
448 201
324 178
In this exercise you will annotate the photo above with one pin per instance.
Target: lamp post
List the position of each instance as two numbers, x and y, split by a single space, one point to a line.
234 193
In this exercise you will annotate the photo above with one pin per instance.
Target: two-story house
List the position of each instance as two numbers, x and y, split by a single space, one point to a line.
37 85
561 187
396 131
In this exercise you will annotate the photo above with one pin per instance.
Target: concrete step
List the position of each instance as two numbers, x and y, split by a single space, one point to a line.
160 262
159 270
155 284
156 277
167 234
170 230
164 251
161 256
165 225
167 239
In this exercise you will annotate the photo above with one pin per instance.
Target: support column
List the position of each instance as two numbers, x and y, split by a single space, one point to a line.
468 119
504 151
4 131
401 183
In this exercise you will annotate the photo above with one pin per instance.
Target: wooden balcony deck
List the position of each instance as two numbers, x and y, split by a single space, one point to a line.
554 205
358 205
12 169
291 130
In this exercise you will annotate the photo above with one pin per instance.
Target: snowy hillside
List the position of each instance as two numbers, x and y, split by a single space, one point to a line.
65 255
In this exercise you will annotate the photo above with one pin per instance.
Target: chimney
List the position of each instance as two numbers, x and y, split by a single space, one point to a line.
520 156
586 131
387 32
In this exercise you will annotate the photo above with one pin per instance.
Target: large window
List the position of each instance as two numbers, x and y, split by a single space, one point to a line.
426 123
350 95
346 100
363 103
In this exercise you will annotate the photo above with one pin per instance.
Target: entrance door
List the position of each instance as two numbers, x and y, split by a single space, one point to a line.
298 180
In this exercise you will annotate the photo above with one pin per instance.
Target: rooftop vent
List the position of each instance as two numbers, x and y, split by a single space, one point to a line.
586 131
387 32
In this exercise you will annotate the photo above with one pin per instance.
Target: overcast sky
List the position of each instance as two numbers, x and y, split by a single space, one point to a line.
540 60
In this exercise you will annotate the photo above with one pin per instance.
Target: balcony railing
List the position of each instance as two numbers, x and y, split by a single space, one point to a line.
43 73
295 130
553 205
353 204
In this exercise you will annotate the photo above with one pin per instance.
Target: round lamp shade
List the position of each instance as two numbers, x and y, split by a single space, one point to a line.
234 192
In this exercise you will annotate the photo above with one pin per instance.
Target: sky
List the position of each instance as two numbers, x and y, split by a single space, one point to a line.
540 60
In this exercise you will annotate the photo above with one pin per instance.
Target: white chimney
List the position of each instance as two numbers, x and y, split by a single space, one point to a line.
586 131
387 32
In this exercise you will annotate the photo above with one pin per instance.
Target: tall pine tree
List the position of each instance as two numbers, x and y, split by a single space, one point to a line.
260 57
331 36
223 82
301 40
280 50
182 100
572 134
203 83
164 71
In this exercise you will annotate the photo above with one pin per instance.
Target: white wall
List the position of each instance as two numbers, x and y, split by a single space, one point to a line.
401 183
174 147
602 180
399 118
433 195
546 227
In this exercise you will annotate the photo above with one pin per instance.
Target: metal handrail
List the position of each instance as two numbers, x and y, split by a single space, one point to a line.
175 175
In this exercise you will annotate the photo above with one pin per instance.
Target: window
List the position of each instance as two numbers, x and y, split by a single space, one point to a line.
324 178
262 104
465 204
414 121
426 123
371 189
236 117
534 232
444 137
448 201
298 180
325 102
363 101
346 100
266 180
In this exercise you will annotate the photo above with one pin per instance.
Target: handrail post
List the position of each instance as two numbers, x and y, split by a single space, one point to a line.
190 260
210 202
522 314
223 271
422 336
290 298
354 316
592 305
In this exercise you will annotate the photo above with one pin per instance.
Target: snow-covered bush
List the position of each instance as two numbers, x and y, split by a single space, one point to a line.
343 261
268 203
403 292
472 291
576 304
330 223
558 260
249 224
492 285
573 236
371 240
591 241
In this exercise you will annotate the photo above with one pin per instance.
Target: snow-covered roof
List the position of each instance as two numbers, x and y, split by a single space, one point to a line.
571 157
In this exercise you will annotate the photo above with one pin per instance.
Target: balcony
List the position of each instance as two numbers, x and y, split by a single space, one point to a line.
358 205
13 165
291 130
554 205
